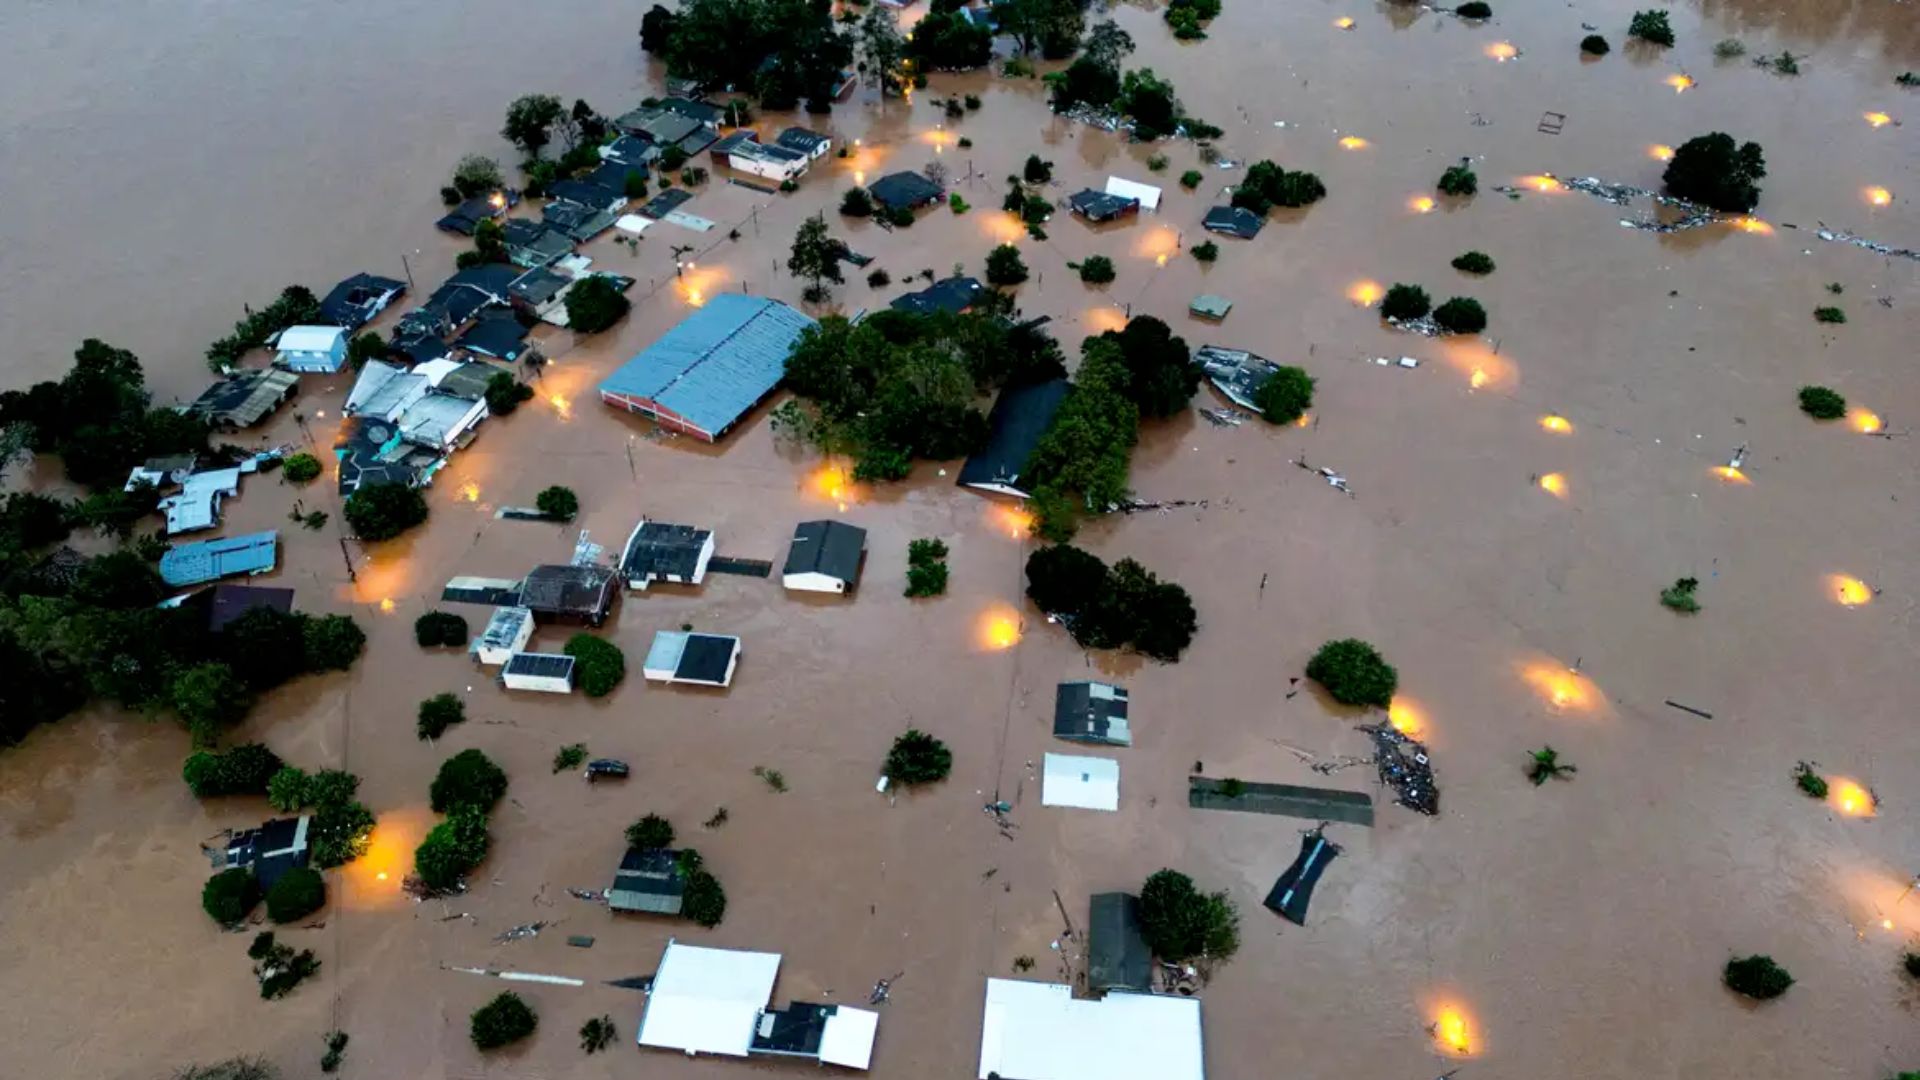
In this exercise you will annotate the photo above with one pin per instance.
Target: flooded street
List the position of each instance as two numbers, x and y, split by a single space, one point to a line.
166 166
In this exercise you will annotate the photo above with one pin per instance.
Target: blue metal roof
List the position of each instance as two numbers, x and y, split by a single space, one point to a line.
718 363
207 560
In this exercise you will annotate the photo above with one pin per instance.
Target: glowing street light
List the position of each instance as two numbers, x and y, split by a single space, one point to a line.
1862 419
1731 474
1365 293
1680 83
1554 484
1659 152
1344 22
1751 224
1353 142
1557 424
1879 119
1543 182
1420 204
1851 799
1452 1031
1000 629
1406 717
1879 196
1850 591
1502 51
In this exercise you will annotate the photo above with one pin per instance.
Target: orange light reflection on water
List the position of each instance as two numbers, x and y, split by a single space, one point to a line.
1502 51
1850 798
1849 591
834 482
1016 521
1421 204
1543 182
1879 119
373 880
1680 83
1879 196
1353 142
1753 225
1453 1031
1660 152
1731 475
1365 293
999 628
1557 424
1564 689
1862 419
1554 484
1407 718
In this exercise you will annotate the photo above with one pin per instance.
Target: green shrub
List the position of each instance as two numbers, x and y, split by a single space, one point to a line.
1404 302
1810 783
1268 185
1037 170
468 778
505 393
1096 270
598 664
650 833
1911 962
1474 262
899 217
1474 9
879 279
1461 315
503 1020
287 790
856 203
596 303
210 698
1757 977
247 769
1829 315
336 1051
1730 48
918 758
1005 267
453 848
229 895
1680 596
1821 403
1284 395
440 628
597 1034
1191 179
1232 788
703 900
333 642
300 468
1651 26
557 502
1157 163
298 893
1178 921
438 713
926 567
1459 180
1354 673
1595 45
570 756
957 204
382 511
1711 169
1123 606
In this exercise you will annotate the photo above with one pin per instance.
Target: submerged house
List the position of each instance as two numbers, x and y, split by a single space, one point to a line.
572 593
825 556
1117 954
1233 221
244 399
459 299
1236 373
954 295
462 220
658 551
1091 712
371 451
742 151
210 560
196 505
703 375
1040 1031
649 881
495 333
530 243
311 348
681 656
1099 206
811 143
904 191
1146 195
508 630
550 673
1084 783
1018 420
576 222
359 300
225 603
715 1001
271 850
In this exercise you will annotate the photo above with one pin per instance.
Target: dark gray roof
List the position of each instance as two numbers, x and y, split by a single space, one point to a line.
271 850
714 366
797 1030
538 286
226 603
658 550
833 548
531 243
648 880
1100 206
580 591
585 194
243 400
469 380
1117 954
582 223
799 138
665 202
630 149
954 295
729 141
354 302
904 190
706 658
1019 418
613 175
539 665
497 334
1234 221
418 348
464 218
364 459
1091 712
693 110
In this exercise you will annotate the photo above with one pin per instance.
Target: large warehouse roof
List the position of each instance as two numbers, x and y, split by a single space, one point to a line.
713 367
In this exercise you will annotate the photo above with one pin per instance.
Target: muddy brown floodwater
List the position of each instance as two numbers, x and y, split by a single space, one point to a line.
165 164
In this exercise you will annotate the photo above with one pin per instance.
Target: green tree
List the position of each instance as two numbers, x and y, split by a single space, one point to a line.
505 393
340 830
1651 26
816 257
1268 185
287 789
247 769
489 243
298 893
926 568
1710 169
1822 403
440 628
1096 270
1005 267
1757 977
1595 45
598 664
1178 921
210 698
1107 44
656 30
300 468
558 502
856 203
530 122
1160 375
477 174
945 41
333 642
1206 251
1149 102
229 895
1459 180
1084 82
453 848
503 1020
1473 262
918 758
384 509
703 900
593 304
1544 764
1680 596
650 833
597 1034
1354 673
1284 395
1461 315
468 778
438 713
881 48
1474 9
1404 302
1142 612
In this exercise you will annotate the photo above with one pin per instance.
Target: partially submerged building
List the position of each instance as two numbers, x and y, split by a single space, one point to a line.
211 560
550 673
225 603
953 295
707 372
650 881
1236 373
462 220
1209 306
1146 195
904 191
664 127
531 243
570 593
1084 783
459 299
496 333
1091 712
743 151
715 1001
359 300
508 630
1233 221
682 656
811 143
825 556
1099 206
1018 420
271 850
371 451
196 505
245 398
1117 954
311 348
1040 1031
659 551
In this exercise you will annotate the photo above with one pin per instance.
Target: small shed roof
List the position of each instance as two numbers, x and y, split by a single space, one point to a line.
1147 195
953 295
1234 221
1117 954
707 1001
1209 306
904 190
536 665
692 657
832 548
208 560
1101 206
241 401
1087 783
1091 712
649 880
309 338
504 629
717 363
585 591
801 139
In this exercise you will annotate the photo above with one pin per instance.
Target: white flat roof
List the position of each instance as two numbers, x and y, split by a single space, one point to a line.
308 338
848 1038
1038 1031
1148 195
707 1001
1089 783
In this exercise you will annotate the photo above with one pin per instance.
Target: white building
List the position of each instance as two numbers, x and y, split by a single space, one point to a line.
507 633
658 551
311 348
683 657
197 506
1087 783
825 556
438 421
1040 1031
744 152
714 1001
1147 195
384 391
548 672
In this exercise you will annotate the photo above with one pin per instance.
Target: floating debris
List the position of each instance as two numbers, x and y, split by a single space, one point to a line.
595 895
524 930
1841 236
1224 417
1405 767
1405 362
1424 325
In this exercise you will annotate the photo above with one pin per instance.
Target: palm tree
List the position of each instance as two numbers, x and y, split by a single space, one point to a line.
1547 766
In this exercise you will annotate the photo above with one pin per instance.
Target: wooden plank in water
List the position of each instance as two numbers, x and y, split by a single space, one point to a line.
1286 800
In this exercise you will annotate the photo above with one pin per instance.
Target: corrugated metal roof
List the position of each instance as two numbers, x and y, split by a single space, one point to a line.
191 564
718 363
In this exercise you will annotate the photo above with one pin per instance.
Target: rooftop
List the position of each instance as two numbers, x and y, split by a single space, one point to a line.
707 1001
953 295
714 366
658 550
1091 712
1017 421
1084 783
684 656
504 629
437 419
535 665
585 591
209 560
831 548
354 302
801 139
1117 955
1146 194
308 338
497 334
1236 373
1100 206
1234 221
904 190
1040 1031
245 399
649 880
833 1034
226 603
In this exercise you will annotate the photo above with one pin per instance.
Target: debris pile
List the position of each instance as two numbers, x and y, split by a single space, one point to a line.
1843 237
1405 768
